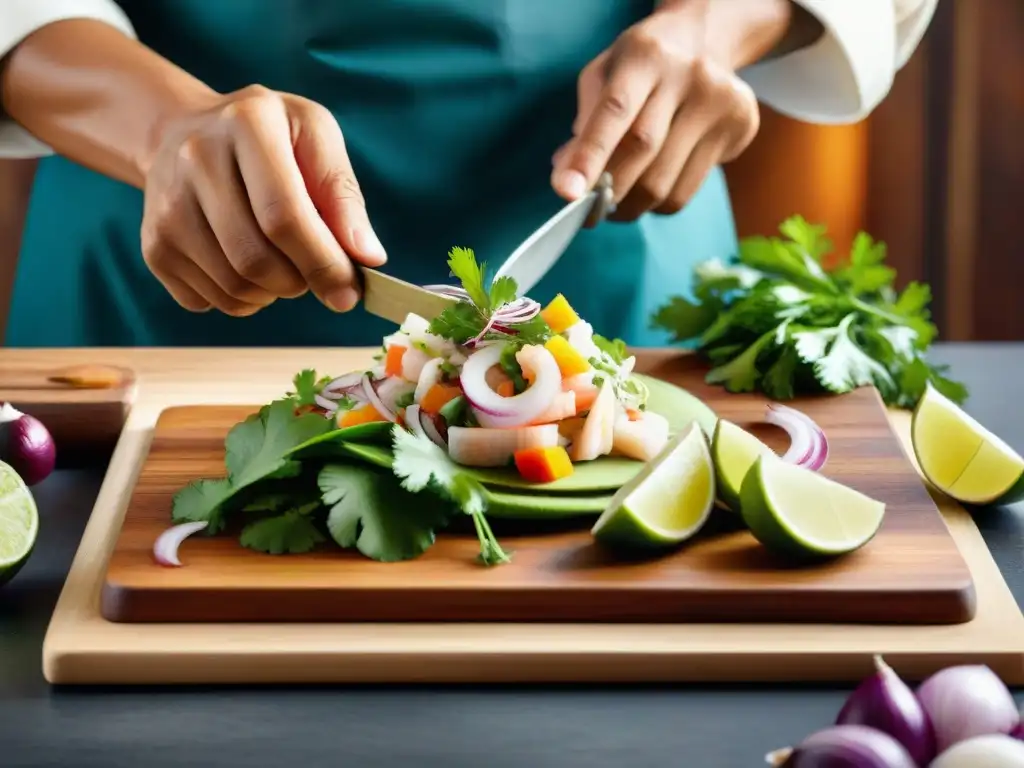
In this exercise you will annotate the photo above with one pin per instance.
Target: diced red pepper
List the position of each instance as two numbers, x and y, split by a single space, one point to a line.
543 465
393 361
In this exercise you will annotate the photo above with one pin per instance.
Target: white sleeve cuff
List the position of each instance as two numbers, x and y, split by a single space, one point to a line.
19 19
847 73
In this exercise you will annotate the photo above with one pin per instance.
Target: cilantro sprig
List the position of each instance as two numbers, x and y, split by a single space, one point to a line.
778 321
388 506
465 320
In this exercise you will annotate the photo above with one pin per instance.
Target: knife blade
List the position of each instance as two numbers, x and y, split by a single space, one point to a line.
393 299
541 251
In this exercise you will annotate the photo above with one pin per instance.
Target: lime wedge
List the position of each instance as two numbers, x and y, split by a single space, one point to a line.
960 457
19 523
734 451
796 511
667 502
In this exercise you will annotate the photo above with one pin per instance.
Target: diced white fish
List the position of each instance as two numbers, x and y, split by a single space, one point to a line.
642 439
392 388
562 407
483 447
430 375
412 364
597 435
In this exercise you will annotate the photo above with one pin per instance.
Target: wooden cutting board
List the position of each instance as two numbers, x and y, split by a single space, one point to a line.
83 405
911 573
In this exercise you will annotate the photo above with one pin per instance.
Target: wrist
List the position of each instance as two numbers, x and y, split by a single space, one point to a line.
736 33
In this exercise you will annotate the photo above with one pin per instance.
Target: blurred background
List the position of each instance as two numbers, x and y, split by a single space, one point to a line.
936 172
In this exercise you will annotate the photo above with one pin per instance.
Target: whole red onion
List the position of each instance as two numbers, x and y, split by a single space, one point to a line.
26 444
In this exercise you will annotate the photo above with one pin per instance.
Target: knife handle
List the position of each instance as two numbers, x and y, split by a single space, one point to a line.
604 202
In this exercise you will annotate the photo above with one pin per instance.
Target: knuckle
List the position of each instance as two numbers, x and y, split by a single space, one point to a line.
655 189
328 277
279 219
642 138
642 43
249 104
616 103
340 185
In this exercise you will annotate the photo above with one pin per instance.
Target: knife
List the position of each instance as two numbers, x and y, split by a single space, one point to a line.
541 251
393 299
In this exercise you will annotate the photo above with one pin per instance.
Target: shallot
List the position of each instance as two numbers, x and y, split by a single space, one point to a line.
967 701
883 701
844 746
26 444
992 751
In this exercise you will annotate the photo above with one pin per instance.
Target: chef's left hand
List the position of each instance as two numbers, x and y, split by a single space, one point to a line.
658 111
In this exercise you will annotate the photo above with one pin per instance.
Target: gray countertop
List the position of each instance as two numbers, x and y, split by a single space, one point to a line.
719 727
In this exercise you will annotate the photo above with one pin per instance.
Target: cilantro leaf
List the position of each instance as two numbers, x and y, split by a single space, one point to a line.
683 319
809 237
510 365
614 348
369 510
290 533
502 291
459 322
846 366
258 447
200 501
741 373
422 465
462 263
307 386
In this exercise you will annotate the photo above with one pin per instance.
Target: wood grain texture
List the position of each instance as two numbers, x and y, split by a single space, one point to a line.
910 573
82 648
84 408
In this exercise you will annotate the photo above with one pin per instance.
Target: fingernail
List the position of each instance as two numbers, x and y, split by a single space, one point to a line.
369 245
343 299
572 184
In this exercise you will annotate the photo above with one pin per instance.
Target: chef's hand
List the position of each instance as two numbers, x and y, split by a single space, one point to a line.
658 112
254 199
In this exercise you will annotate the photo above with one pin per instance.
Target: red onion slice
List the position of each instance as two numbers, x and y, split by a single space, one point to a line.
342 385
413 422
431 430
375 401
808 446
165 548
493 410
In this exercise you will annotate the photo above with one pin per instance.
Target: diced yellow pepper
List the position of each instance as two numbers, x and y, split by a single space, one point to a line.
559 315
570 362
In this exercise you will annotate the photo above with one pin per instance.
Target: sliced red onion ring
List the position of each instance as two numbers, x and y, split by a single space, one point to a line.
342 385
328 405
493 410
165 548
372 398
429 376
808 446
520 310
412 420
431 430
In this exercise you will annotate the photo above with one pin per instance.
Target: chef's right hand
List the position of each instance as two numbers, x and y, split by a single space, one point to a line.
253 199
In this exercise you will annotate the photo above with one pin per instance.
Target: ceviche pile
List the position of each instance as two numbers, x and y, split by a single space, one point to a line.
496 379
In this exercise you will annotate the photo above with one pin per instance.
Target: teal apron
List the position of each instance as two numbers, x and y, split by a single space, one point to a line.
451 110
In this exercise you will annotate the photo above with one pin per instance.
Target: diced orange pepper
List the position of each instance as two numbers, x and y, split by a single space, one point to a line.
506 389
367 414
543 465
438 396
559 315
633 414
570 362
393 361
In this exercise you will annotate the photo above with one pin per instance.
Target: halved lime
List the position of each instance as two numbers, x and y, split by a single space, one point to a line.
667 502
734 451
795 511
962 458
19 523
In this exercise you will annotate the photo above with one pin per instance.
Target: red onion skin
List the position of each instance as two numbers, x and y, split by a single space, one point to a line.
849 746
884 702
967 701
1018 732
27 446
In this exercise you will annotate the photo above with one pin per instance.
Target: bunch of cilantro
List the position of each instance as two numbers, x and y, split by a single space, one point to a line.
776 320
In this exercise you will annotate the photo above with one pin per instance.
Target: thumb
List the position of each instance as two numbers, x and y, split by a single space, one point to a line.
331 182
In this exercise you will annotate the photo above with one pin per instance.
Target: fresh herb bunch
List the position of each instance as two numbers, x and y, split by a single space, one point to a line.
777 320
464 320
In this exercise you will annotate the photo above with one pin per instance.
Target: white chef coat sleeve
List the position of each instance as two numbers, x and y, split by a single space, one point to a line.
19 19
850 69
